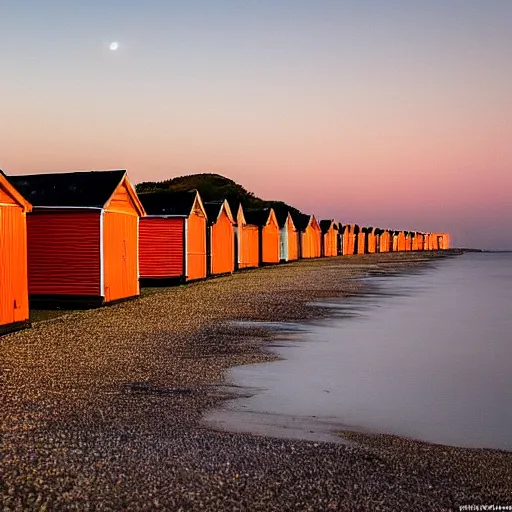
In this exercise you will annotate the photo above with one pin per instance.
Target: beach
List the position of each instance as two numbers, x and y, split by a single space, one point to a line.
101 409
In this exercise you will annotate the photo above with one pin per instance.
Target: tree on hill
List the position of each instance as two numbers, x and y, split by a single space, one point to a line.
212 187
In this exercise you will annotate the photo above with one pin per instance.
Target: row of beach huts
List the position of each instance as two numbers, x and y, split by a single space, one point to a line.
85 239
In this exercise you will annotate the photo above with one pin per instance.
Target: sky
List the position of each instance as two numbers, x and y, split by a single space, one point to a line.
393 114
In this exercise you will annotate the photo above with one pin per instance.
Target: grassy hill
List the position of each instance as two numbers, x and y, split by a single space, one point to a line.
213 187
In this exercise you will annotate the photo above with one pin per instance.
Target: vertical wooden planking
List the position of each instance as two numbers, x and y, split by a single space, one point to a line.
121 248
13 265
222 245
196 247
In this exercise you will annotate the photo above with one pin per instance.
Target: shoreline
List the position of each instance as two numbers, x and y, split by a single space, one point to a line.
103 407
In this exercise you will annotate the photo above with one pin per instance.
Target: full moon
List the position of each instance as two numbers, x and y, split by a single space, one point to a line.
114 45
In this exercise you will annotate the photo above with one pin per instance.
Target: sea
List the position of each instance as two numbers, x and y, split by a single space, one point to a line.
425 354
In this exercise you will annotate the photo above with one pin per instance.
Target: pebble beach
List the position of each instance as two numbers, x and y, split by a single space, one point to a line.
101 409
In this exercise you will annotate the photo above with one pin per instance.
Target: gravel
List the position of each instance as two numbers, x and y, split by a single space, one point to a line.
101 410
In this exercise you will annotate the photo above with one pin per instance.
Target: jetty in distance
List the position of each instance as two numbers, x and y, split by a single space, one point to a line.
90 238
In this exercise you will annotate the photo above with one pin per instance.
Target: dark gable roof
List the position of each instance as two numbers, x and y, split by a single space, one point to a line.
167 202
257 217
325 225
234 204
281 216
213 209
301 220
78 189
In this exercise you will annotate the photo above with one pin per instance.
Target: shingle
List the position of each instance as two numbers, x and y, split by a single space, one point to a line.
167 202
257 217
76 189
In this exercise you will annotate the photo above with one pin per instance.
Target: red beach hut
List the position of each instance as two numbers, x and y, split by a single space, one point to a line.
220 238
172 237
82 237
14 313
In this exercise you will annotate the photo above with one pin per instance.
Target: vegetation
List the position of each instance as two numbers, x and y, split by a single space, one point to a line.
213 187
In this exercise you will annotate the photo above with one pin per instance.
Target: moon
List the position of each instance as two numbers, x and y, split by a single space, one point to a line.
114 45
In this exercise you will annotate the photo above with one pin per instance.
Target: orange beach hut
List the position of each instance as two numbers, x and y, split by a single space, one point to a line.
401 244
269 234
247 245
172 236
371 241
408 240
310 235
14 313
420 240
220 238
289 242
362 241
377 233
329 237
444 241
82 237
348 235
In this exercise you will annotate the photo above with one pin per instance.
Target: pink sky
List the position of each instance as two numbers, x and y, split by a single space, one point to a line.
396 117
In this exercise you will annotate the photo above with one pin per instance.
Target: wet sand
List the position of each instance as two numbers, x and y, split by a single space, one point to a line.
101 410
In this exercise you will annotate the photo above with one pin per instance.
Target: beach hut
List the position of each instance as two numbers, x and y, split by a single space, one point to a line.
340 238
220 238
371 241
289 243
172 236
377 232
386 242
376 235
14 207
394 241
432 242
408 240
82 237
269 234
415 241
420 240
329 237
426 242
362 247
444 241
348 239
401 241
310 235
247 245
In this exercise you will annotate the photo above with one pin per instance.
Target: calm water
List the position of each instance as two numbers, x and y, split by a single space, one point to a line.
433 362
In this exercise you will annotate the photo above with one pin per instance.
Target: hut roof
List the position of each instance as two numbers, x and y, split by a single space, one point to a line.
301 220
234 204
77 189
214 209
325 225
167 202
281 214
10 190
258 217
